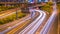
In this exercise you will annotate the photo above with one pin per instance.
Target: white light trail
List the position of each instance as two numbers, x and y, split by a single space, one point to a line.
30 29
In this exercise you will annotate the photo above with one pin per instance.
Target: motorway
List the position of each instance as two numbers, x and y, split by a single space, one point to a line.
25 19
34 25
50 21
30 29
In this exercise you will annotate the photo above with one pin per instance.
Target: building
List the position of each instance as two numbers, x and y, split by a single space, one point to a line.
11 2
22 1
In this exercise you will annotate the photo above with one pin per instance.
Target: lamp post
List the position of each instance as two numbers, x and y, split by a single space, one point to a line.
16 11
16 14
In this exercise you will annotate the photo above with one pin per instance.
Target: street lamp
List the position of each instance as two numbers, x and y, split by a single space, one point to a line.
16 14
16 11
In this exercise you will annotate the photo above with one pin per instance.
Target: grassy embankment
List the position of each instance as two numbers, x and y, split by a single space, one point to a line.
11 18
3 8
48 7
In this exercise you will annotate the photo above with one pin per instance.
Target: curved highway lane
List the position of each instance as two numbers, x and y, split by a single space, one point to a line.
50 20
30 29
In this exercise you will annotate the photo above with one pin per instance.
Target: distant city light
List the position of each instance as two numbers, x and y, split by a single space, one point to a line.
39 0
42 0
31 1
46 0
